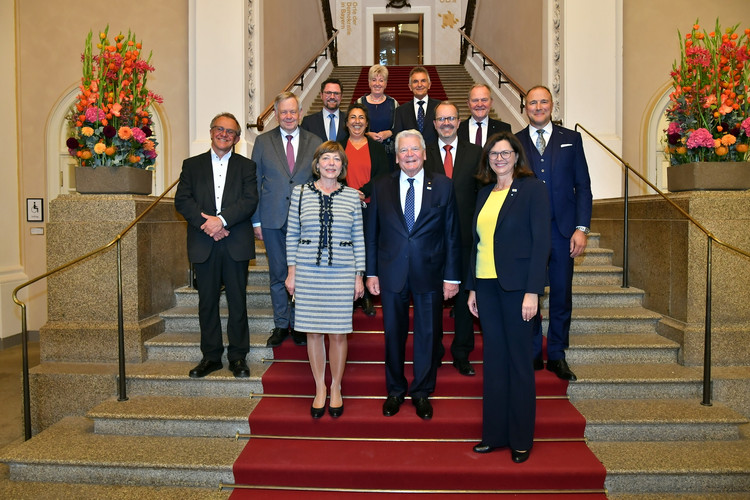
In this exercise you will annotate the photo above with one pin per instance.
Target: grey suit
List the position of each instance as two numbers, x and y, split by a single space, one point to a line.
275 184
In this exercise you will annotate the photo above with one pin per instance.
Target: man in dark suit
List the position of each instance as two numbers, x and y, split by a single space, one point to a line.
284 157
458 159
556 155
217 195
413 251
477 129
418 113
328 124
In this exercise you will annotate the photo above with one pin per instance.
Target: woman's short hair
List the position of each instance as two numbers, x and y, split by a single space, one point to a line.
377 70
521 169
330 147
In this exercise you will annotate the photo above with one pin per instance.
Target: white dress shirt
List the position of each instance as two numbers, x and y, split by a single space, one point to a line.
220 179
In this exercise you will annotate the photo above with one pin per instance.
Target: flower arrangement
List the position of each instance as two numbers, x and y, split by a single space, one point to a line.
708 114
111 120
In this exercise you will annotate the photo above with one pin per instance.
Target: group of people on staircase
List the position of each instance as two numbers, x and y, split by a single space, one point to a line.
408 203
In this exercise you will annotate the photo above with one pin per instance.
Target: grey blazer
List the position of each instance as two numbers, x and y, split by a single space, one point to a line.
275 182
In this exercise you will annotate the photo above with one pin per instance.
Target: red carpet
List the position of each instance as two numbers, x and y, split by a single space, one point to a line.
398 84
402 454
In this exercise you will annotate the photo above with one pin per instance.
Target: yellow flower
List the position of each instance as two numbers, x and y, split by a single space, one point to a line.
87 131
99 148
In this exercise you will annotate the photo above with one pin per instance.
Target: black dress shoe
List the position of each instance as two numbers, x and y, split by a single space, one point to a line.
483 448
424 408
299 337
205 367
538 363
277 337
336 411
464 367
367 305
560 368
317 412
520 456
391 405
239 368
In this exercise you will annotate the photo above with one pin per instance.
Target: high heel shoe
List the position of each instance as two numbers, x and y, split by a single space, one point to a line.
317 412
336 411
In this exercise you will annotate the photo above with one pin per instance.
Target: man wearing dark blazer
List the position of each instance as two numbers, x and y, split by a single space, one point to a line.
406 116
283 156
413 252
480 126
458 160
320 123
217 195
556 155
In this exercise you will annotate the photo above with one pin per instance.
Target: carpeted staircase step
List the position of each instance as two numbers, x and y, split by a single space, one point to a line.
69 451
170 378
675 466
415 466
453 419
595 348
257 297
173 416
636 381
658 420
293 494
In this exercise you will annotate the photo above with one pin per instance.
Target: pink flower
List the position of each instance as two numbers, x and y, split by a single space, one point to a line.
746 126
94 115
138 134
674 128
700 138
150 154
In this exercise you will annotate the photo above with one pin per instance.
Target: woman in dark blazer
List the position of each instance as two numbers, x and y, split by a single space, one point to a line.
506 277
367 162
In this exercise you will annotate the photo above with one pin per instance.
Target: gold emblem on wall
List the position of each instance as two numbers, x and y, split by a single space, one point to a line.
449 20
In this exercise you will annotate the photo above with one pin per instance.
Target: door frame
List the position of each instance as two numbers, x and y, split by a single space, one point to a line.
395 22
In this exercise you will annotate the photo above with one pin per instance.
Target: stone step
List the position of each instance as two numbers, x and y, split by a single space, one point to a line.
612 320
602 296
658 420
624 348
70 451
34 490
258 276
595 257
675 467
258 296
185 346
173 416
636 381
170 378
185 319
597 275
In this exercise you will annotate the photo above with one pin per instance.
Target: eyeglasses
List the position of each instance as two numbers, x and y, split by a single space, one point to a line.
331 94
494 155
449 119
221 130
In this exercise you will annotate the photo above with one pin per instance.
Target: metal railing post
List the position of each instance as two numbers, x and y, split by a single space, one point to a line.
625 225
120 327
707 334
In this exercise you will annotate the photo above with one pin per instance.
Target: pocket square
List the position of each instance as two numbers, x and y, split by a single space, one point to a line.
565 145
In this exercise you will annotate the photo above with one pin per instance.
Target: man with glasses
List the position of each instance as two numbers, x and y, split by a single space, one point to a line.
556 155
413 252
328 123
480 126
458 159
217 195
418 113
284 157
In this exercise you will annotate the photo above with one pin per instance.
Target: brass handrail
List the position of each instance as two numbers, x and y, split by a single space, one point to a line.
500 71
122 395
311 64
709 256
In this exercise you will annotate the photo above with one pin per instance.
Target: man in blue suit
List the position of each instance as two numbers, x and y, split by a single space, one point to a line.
328 124
557 158
413 252
283 156
217 195
419 113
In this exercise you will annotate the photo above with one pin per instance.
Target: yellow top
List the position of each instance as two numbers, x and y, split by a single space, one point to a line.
486 224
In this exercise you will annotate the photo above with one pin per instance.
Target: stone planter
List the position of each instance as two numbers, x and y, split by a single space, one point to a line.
708 175
113 180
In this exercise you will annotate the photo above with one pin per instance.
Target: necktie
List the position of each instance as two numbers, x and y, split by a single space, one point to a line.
409 206
289 153
420 116
478 140
332 128
540 142
448 162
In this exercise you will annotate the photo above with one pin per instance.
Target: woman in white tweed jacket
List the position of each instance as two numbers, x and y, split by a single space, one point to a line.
325 252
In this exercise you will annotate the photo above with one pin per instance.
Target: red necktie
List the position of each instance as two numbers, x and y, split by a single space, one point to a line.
289 153
448 162
478 139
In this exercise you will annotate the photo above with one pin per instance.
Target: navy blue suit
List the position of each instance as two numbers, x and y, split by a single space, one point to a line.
405 118
565 172
521 249
318 124
413 265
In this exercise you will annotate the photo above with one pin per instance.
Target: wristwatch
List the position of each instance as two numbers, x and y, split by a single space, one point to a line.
584 229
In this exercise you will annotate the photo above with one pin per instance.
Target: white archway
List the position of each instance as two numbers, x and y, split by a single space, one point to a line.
655 160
